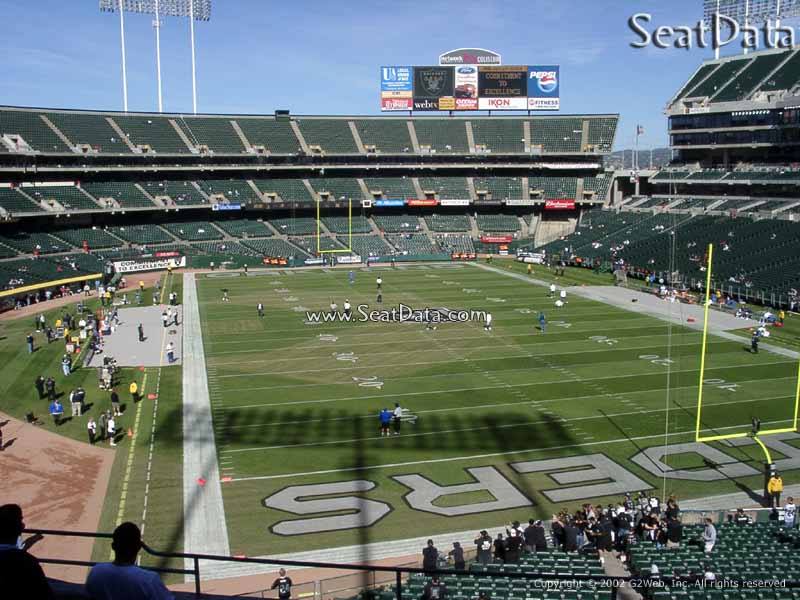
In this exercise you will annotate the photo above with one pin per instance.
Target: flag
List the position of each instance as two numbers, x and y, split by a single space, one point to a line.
639 130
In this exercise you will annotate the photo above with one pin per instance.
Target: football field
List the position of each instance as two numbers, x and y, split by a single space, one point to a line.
511 423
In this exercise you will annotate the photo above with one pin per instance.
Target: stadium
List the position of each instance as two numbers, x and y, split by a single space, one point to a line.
440 349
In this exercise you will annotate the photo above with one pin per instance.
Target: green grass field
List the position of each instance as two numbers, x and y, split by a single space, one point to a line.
296 404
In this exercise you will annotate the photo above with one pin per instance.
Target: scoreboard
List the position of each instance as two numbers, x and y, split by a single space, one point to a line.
470 87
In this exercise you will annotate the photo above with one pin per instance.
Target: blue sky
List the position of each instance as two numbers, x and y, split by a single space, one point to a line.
323 57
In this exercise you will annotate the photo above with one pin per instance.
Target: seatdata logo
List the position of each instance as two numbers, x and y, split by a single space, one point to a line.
546 81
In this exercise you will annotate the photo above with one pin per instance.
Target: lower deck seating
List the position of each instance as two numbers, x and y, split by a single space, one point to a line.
396 223
275 248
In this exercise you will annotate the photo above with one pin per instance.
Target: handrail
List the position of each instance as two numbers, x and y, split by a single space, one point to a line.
614 582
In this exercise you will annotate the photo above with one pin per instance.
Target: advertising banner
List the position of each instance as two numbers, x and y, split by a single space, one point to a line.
426 103
497 239
133 266
422 202
348 259
275 262
396 79
466 87
466 104
469 56
433 82
544 88
389 202
529 202
485 202
503 82
502 103
389 104
559 205
462 256
454 202
218 207
313 261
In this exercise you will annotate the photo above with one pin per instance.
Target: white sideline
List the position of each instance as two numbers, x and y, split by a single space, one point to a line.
204 528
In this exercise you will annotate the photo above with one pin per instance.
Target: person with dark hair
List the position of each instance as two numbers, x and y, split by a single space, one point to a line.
499 549
535 538
435 589
39 384
484 548
430 556
457 555
20 573
570 536
122 579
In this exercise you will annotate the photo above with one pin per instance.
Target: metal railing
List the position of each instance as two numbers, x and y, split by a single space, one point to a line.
389 575
397 575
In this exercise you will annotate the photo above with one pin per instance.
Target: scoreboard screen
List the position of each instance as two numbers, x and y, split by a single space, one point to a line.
470 87
505 82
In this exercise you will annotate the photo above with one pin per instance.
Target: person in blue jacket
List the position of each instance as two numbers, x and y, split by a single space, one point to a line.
386 420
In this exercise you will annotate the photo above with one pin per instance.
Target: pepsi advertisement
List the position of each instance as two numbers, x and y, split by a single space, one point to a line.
544 83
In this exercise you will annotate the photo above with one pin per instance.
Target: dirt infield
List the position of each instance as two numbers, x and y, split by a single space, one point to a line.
60 484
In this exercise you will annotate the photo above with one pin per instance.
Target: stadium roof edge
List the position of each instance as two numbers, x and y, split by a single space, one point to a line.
670 107
404 115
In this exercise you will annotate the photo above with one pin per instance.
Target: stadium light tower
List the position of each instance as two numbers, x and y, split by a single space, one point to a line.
747 12
194 10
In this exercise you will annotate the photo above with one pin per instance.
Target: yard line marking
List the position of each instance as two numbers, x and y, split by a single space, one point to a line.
467 429
471 389
395 339
482 456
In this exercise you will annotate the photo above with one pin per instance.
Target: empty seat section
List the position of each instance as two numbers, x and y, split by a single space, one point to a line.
285 190
446 188
276 136
153 131
123 192
501 136
442 136
215 132
391 187
557 134
235 191
33 130
180 193
333 136
388 136
91 129
194 231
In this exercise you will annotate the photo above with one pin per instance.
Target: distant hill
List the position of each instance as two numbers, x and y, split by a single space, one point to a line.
623 159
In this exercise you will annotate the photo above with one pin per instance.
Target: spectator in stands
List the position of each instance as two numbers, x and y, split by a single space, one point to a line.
774 488
434 589
457 556
673 510
740 518
283 584
789 513
20 573
499 549
122 579
430 557
535 539
513 543
484 548
674 532
709 536
570 536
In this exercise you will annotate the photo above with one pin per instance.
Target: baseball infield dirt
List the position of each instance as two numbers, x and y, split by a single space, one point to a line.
60 484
